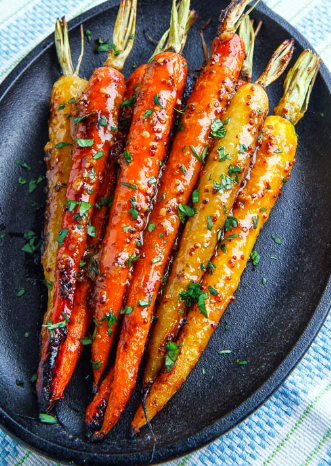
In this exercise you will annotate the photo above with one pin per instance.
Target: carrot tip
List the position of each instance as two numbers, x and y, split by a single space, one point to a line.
97 436
133 431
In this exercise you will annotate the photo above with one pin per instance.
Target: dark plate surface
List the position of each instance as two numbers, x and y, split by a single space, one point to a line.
269 326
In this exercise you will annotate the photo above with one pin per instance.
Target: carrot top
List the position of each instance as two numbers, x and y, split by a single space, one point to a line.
123 35
298 86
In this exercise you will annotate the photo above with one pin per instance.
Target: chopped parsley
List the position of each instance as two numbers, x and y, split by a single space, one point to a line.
85 142
209 222
213 290
183 169
62 144
133 211
20 292
128 185
96 364
151 227
34 183
242 148
278 151
255 219
230 222
130 102
33 242
88 35
195 196
171 355
203 154
184 210
111 318
157 101
143 302
156 259
23 164
194 295
234 171
106 200
276 240
78 119
217 129
127 310
62 234
224 185
47 418
91 230
127 156
255 257
98 155
148 113
103 121
222 156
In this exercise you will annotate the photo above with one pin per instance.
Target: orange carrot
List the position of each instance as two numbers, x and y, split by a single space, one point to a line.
96 126
153 116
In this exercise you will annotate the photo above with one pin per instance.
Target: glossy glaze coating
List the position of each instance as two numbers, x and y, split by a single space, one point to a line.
58 167
160 91
209 98
245 116
102 97
257 198
81 316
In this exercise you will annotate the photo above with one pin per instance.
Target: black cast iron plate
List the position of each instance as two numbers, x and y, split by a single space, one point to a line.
269 326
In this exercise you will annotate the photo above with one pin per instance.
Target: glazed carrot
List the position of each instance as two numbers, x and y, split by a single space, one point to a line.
160 90
216 192
65 92
81 315
209 98
147 274
274 162
96 126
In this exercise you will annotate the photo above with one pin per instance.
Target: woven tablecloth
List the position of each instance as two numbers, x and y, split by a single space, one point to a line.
293 428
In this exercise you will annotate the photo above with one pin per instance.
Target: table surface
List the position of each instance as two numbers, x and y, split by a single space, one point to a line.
293 427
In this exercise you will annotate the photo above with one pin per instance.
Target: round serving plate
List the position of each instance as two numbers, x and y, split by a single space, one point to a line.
270 326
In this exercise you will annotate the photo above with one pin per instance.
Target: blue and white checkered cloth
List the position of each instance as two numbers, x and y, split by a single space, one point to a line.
293 428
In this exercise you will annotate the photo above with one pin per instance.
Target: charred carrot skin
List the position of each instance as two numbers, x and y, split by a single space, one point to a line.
101 100
95 411
81 314
160 90
58 160
210 97
274 162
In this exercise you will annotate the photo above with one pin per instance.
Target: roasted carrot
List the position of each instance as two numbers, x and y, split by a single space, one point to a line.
217 189
153 116
65 92
95 411
96 126
81 315
209 98
147 275
274 162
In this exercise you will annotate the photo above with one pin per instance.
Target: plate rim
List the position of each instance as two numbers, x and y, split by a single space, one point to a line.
220 427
